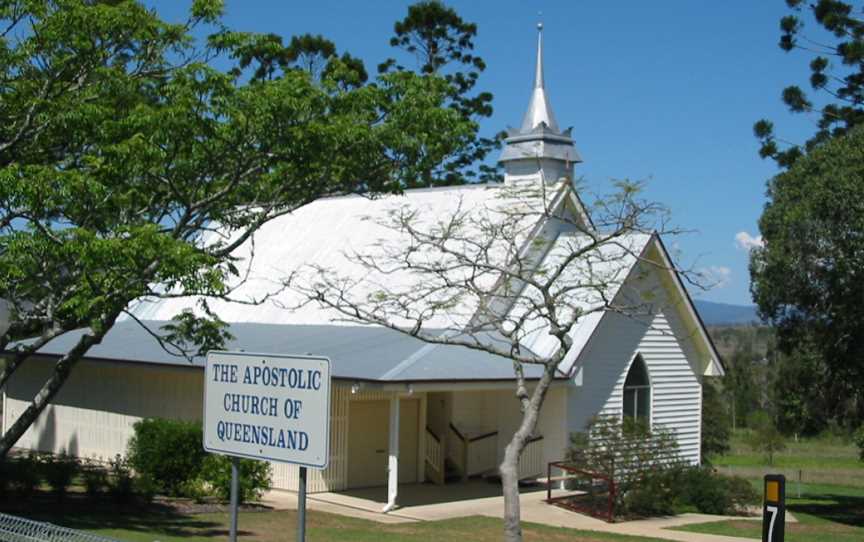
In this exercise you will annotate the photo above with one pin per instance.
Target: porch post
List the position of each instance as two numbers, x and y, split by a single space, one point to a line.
393 455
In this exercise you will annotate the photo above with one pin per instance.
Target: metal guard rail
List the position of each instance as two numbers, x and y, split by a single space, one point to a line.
583 503
15 529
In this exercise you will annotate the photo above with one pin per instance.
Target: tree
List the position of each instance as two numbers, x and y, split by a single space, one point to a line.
836 72
442 43
122 151
764 436
715 422
808 279
481 279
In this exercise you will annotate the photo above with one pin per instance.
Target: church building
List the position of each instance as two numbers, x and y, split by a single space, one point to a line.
402 411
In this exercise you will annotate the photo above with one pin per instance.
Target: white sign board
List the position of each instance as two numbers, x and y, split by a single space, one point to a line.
263 406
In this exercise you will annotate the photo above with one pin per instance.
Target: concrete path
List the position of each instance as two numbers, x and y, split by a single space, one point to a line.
423 504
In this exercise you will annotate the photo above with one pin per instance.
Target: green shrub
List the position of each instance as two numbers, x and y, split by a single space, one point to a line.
254 477
121 481
145 487
95 478
26 475
712 493
741 494
858 437
635 456
654 495
58 471
197 489
6 469
167 451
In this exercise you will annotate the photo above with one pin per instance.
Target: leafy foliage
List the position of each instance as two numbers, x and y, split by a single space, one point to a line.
255 477
764 436
715 422
836 72
166 451
626 452
59 470
442 43
121 479
121 147
808 279
26 474
686 488
95 478
858 438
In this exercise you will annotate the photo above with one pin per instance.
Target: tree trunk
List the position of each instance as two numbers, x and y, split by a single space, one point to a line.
509 468
510 488
62 370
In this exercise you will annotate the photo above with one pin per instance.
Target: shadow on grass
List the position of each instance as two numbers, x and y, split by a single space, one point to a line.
845 509
154 518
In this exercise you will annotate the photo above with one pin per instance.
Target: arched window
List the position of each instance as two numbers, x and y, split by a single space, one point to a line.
637 392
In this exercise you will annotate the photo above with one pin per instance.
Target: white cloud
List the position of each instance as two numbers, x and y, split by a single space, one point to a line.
747 242
715 276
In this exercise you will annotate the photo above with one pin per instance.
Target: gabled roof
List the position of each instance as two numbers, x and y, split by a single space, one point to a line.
324 233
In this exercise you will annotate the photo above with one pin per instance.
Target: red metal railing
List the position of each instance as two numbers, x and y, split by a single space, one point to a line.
587 498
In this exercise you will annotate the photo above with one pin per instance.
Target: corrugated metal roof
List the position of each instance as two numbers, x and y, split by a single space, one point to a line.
356 352
323 233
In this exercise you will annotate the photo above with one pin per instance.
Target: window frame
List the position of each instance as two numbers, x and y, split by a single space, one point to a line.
649 387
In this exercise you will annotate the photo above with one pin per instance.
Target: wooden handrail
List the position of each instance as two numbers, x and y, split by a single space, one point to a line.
485 435
431 432
533 439
458 434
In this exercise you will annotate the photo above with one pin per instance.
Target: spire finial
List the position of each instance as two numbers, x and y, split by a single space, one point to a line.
538 78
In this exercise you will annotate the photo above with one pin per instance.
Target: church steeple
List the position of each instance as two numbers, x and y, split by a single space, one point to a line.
539 148
539 109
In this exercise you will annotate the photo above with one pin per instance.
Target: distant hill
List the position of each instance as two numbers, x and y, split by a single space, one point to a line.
724 314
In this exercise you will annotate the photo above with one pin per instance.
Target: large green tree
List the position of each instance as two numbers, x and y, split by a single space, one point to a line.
808 279
438 41
836 50
122 147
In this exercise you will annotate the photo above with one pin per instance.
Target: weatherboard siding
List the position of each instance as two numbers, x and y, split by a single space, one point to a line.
676 392
94 412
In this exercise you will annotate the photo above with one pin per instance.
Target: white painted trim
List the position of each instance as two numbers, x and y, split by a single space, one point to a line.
443 385
421 439
715 368
639 355
393 456
699 428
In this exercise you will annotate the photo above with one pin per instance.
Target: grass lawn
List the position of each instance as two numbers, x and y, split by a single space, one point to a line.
824 512
281 526
831 505
819 460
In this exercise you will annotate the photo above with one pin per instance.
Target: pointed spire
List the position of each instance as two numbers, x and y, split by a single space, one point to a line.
539 109
538 77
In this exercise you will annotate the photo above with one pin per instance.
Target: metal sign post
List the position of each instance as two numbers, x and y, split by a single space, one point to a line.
774 508
235 497
301 507
268 407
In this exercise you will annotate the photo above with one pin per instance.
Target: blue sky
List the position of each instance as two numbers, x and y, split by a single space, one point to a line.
660 91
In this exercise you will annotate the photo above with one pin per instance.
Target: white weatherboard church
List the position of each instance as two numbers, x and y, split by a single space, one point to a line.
400 409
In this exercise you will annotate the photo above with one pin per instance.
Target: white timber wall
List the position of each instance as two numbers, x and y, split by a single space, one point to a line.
551 425
480 412
673 368
94 413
